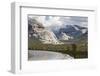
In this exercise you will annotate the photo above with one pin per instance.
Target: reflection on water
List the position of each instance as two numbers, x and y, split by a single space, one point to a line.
46 55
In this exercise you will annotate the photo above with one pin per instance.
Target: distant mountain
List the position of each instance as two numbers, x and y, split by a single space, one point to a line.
73 31
83 37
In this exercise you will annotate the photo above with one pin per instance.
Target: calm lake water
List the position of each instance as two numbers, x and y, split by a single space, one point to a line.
46 55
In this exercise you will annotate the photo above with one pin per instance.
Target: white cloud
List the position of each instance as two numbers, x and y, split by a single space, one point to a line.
54 21
50 22
60 21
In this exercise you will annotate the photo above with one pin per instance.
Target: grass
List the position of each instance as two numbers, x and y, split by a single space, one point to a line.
78 50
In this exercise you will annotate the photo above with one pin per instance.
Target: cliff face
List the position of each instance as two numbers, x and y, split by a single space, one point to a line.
36 30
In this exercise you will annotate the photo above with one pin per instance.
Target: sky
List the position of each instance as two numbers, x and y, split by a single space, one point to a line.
61 21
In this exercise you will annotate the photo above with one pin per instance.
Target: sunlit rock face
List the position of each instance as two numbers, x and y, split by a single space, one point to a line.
64 36
48 37
45 36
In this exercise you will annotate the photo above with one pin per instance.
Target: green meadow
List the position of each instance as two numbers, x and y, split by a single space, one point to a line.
76 50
